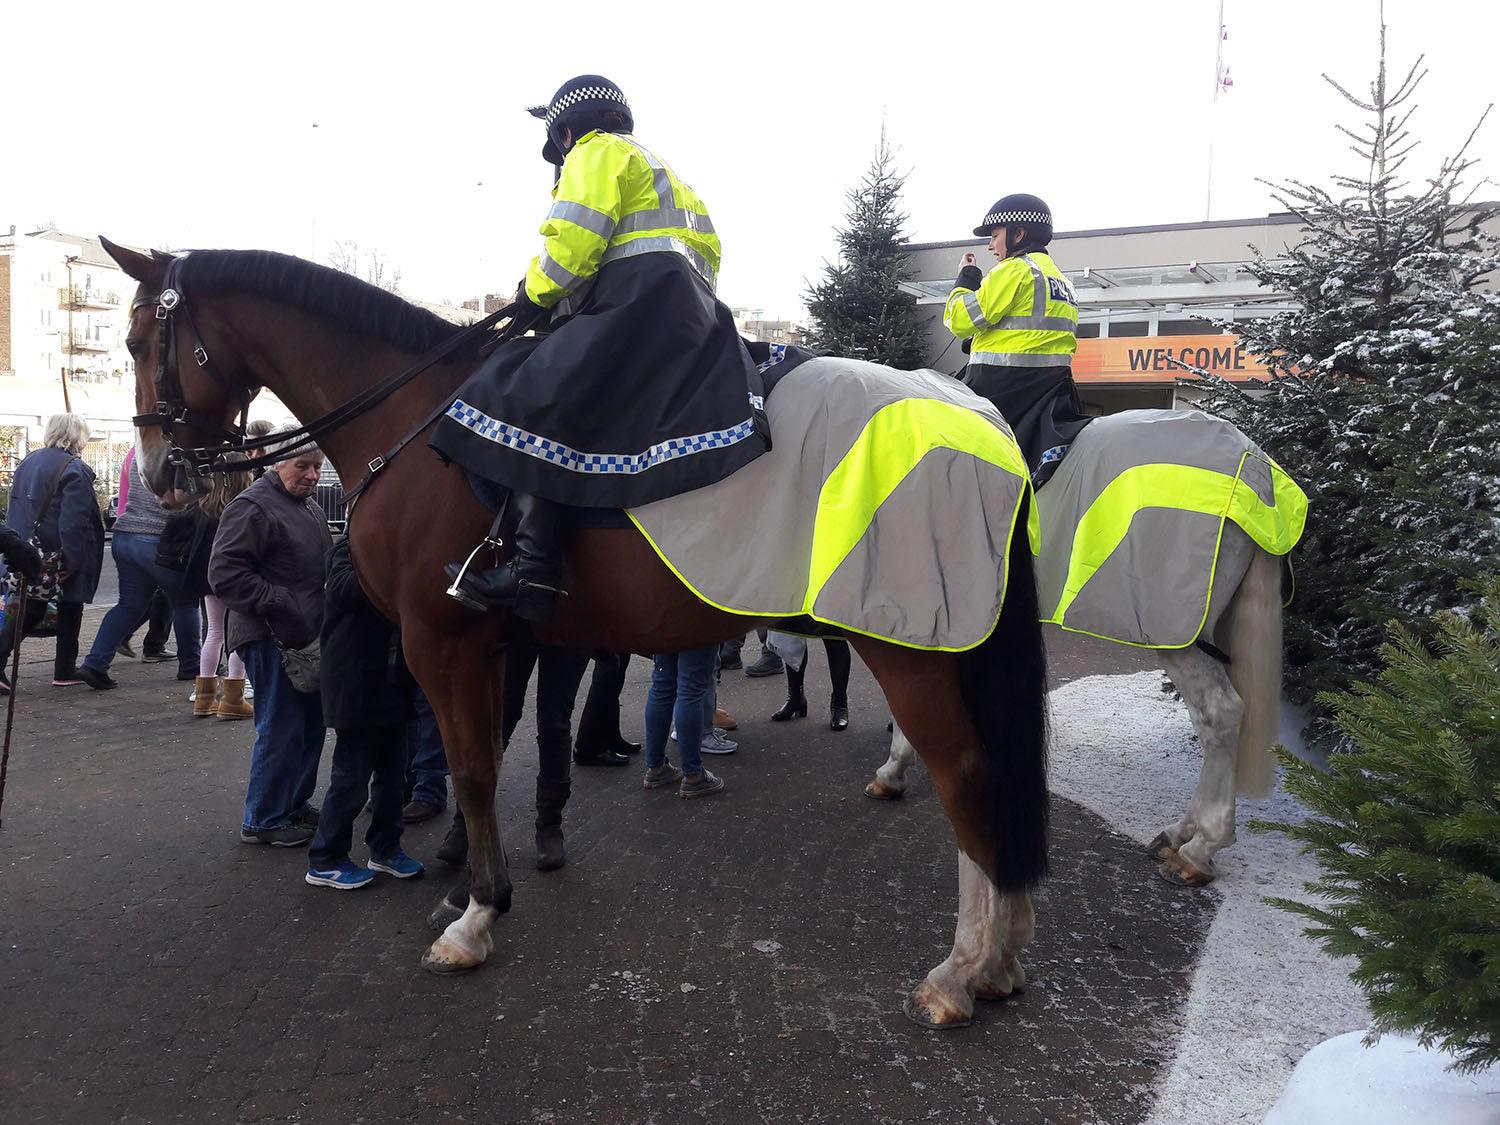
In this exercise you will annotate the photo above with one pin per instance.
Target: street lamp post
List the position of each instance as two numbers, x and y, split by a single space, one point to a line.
68 352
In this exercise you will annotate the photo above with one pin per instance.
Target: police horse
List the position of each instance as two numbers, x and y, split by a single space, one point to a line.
1191 552
209 329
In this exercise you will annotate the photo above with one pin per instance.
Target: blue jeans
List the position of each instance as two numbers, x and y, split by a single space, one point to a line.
359 754
135 559
426 763
288 741
681 685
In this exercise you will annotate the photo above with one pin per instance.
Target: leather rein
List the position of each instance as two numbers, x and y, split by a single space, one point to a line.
191 464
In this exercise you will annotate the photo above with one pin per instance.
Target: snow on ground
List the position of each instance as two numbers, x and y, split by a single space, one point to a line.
1263 994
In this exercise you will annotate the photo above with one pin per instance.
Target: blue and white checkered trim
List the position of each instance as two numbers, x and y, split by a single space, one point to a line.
565 457
778 354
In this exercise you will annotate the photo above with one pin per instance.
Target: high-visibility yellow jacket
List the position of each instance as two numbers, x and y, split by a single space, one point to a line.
1024 314
615 199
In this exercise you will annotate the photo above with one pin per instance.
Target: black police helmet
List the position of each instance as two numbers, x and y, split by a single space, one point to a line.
577 105
1018 210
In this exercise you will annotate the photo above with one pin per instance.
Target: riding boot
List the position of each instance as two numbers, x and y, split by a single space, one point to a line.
529 583
454 850
551 796
796 700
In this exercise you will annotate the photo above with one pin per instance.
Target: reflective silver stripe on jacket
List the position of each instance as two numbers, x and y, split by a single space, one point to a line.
1037 324
659 218
584 216
661 243
665 196
976 314
1038 287
1023 359
557 273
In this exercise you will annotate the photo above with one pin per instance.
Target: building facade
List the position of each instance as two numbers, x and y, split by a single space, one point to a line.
1152 303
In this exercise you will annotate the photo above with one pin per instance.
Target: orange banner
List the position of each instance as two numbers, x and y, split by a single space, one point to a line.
1157 359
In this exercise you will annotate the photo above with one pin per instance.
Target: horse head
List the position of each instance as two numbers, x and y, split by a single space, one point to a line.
181 401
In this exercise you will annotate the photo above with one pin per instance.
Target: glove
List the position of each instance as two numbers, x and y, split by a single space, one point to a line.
969 278
966 345
20 555
528 313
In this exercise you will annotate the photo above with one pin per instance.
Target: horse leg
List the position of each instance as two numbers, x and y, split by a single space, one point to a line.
462 682
1186 848
925 698
890 779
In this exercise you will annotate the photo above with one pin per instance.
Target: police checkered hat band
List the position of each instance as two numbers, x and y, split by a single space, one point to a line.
999 218
608 92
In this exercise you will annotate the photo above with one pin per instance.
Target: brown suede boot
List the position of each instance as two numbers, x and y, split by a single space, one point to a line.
232 703
203 696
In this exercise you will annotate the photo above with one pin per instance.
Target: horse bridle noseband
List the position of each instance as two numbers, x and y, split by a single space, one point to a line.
191 464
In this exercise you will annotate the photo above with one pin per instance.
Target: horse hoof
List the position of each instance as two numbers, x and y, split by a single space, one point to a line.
929 1008
444 958
881 791
444 914
1161 847
1175 871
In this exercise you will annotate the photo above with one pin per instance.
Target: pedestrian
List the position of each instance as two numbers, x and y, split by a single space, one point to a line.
213 695
268 565
159 613
600 741
256 430
766 664
839 661
367 700
426 764
52 500
681 682
136 544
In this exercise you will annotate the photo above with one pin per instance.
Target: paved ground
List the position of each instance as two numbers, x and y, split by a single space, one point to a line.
741 959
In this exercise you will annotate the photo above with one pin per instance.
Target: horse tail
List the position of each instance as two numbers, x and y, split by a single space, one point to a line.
1255 671
1004 684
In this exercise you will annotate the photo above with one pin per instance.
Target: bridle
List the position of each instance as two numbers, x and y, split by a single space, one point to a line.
192 464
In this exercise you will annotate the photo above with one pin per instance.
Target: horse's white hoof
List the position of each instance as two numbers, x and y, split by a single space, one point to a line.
1177 871
930 1008
882 791
446 958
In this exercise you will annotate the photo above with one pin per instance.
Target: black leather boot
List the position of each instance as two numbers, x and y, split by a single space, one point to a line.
551 796
529 583
795 706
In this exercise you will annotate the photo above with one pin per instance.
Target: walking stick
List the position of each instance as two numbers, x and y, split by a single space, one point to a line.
15 683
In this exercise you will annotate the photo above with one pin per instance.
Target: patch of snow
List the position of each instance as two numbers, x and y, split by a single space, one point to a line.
765 946
1262 994
1395 1082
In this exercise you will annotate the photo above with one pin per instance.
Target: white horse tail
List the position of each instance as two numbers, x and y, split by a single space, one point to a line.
1255 671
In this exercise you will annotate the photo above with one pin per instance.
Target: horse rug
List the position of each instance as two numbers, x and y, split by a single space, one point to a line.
1151 521
885 507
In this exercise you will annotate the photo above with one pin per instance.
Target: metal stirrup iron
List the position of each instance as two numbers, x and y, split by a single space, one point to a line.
491 540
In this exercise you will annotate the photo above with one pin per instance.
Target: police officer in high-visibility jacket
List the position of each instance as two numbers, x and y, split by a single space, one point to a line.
638 386
1021 325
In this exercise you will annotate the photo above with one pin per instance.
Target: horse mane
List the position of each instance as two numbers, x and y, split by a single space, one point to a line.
358 306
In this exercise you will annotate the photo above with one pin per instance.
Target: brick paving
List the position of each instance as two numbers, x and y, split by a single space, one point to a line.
740 959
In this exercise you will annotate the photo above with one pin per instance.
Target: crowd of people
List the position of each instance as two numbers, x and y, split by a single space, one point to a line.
271 624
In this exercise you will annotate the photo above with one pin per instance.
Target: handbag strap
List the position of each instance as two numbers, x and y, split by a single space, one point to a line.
41 513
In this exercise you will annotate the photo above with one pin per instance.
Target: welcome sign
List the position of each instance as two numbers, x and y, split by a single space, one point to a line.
1161 359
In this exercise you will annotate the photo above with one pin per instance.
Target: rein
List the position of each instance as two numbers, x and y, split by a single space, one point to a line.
192 464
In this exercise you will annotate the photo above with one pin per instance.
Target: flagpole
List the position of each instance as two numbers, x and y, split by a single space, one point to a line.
1208 195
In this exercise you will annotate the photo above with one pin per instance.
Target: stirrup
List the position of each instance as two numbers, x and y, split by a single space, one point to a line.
456 590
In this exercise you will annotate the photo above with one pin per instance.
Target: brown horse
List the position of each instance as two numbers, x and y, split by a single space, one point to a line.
317 338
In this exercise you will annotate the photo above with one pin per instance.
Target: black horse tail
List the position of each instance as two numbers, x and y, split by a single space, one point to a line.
1004 684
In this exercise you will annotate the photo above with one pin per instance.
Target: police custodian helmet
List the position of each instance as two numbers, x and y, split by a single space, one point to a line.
578 105
1018 211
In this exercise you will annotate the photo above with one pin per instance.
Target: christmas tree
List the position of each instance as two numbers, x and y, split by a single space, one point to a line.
1407 829
1384 401
858 309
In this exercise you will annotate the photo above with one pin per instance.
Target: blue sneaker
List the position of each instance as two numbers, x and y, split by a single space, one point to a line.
401 865
344 877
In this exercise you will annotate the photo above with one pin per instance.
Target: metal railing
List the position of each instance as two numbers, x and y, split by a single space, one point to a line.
77 297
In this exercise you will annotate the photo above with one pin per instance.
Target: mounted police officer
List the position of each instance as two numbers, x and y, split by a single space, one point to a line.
1022 321
639 387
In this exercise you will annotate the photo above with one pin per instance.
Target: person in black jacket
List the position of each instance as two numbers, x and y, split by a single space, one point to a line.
367 699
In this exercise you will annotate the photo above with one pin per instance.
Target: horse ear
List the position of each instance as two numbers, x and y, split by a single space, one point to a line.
148 271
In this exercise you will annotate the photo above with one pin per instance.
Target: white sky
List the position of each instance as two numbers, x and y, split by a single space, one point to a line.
185 125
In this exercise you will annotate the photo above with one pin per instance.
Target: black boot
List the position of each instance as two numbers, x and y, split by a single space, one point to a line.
551 796
454 850
529 583
796 701
838 714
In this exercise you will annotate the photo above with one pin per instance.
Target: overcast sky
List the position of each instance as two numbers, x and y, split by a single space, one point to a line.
400 126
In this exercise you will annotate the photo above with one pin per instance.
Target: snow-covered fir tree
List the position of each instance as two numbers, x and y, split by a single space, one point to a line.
1385 398
858 309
